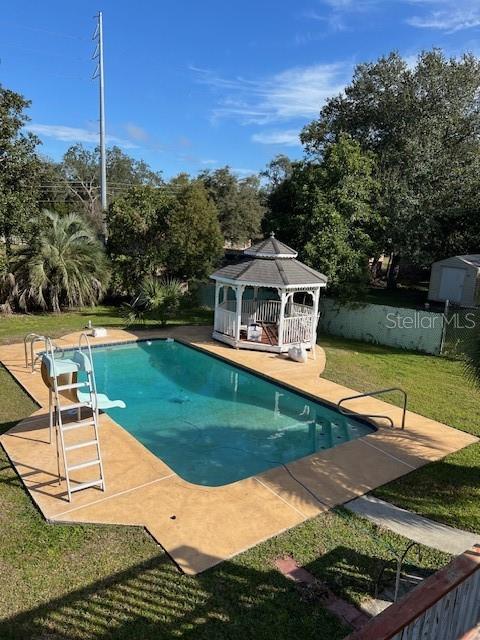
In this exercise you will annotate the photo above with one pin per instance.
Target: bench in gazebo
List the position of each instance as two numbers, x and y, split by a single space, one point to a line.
268 301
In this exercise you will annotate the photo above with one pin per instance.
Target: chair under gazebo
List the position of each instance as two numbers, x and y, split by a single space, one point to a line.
268 301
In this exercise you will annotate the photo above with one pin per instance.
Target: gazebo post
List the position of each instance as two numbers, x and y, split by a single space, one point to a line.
239 289
217 298
255 294
316 301
283 300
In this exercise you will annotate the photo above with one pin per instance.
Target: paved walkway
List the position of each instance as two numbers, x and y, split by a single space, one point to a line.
413 526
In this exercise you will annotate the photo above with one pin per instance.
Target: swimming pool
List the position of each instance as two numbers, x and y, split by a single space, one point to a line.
211 422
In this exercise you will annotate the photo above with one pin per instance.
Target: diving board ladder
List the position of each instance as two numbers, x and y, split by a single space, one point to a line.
80 362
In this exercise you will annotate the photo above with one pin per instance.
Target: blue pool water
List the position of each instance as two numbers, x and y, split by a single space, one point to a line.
213 423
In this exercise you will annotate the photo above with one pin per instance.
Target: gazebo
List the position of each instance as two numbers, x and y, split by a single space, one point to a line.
268 301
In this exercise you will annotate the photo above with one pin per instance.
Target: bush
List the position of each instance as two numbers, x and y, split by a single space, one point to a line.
158 299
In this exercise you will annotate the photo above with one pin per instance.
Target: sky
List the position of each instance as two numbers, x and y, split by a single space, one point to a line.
193 85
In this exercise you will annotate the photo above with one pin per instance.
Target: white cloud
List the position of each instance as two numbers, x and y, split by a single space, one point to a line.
447 15
208 161
243 173
299 92
287 137
136 132
76 135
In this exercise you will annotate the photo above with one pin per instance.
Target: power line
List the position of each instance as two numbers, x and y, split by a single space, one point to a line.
40 30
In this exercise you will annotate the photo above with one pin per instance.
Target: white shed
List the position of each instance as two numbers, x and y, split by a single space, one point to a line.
456 279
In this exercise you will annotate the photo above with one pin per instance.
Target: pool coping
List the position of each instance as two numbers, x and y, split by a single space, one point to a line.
211 524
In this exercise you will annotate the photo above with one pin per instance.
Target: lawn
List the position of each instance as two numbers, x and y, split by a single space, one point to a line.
13 328
79 582
447 490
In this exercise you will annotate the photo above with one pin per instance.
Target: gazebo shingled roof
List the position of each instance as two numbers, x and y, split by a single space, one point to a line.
270 263
270 248
276 273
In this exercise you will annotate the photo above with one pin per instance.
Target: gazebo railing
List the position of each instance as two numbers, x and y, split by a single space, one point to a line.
297 329
261 310
299 309
298 323
225 321
258 310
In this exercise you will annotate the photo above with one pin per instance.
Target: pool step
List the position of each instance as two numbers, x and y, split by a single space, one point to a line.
87 485
81 445
89 422
74 385
75 405
84 465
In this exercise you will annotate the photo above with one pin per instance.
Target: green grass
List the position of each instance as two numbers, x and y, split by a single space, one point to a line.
13 328
447 490
79 582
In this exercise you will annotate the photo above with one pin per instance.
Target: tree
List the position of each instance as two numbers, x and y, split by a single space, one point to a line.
78 178
277 170
239 204
325 210
423 125
194 238
137 242
19 169
63 265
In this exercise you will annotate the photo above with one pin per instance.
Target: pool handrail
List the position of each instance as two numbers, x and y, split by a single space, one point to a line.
32 338
367 394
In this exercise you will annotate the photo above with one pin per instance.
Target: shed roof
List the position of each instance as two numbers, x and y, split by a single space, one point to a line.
472 259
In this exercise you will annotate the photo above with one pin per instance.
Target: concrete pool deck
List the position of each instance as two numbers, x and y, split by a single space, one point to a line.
201 526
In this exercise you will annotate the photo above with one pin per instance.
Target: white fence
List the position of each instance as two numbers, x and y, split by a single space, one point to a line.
392 326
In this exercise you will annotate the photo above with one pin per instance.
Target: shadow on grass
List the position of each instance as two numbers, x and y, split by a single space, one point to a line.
346 571
450 490
153 600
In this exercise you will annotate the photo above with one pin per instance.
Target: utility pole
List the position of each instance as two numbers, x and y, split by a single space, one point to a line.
98 55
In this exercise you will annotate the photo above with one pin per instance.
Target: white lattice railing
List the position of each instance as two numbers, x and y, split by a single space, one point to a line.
297 329
225 321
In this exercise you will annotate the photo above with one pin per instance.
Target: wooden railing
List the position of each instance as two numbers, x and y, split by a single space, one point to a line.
297 329
225 321
443 607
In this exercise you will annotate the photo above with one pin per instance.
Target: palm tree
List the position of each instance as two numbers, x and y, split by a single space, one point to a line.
63 266
472 362
158 300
